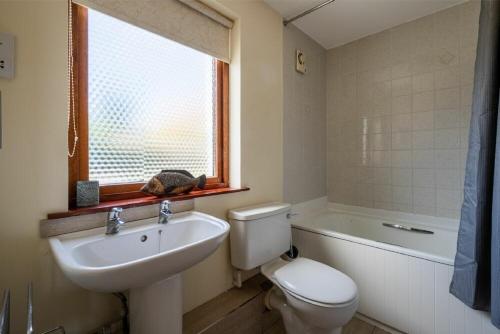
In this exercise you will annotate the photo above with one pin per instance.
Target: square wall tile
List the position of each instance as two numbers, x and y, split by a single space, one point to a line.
424 177
381 158
448 179
401 159
401 176
423 101
423 82
448 199
382 193
447 119
447 98
447 158
401 141
423 140
423 120
402 195
401 104
382 175
401 123
380 141
448 77
424 196
402 69
381 124
447 139
423 159
401 86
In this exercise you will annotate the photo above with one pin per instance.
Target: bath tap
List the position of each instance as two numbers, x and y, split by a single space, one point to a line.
114 222
165 212
29 323
5 313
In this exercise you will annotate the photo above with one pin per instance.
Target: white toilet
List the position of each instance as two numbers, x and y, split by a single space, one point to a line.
313 298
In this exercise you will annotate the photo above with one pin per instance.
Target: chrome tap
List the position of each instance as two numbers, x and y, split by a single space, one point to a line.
29 324
114 222
165 212
5 313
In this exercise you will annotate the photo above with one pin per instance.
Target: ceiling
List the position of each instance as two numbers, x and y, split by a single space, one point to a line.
344 21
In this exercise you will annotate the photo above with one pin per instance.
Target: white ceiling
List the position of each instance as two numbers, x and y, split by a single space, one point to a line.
344 21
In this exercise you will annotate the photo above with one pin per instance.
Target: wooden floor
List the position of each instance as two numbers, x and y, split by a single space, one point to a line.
355 326
242 311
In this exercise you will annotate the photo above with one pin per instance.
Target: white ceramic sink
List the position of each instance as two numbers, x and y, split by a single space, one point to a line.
142 253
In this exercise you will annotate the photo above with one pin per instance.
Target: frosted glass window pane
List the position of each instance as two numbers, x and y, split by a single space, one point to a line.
151 104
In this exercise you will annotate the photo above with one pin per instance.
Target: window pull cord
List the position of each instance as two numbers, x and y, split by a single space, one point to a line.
71 86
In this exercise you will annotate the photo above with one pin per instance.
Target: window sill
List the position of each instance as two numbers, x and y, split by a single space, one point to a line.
142 201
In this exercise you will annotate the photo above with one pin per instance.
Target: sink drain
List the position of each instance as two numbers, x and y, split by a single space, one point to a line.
144 238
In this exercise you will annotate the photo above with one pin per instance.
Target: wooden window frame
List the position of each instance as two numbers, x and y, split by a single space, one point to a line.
79 164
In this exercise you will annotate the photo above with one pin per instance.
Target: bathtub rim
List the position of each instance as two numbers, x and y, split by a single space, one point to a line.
432 222
442 223
377 244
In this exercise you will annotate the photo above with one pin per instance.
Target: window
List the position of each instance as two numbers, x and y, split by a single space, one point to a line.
144 103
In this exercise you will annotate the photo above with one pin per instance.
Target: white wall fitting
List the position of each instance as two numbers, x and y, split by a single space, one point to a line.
7 52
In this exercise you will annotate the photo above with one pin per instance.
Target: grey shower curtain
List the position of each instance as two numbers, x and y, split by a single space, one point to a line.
476 277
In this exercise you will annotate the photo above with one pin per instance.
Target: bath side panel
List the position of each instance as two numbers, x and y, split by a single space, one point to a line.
407 293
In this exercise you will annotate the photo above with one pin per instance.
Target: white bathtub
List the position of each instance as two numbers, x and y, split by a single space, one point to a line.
403 277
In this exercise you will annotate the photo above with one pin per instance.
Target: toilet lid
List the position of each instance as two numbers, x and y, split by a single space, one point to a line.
316 281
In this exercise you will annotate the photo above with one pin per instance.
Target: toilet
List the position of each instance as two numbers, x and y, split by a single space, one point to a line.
312 297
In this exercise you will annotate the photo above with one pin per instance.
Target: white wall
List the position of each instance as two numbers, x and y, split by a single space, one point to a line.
398 114
33 170
33 163
304 119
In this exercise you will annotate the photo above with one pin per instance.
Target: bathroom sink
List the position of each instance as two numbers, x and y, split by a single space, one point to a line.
142 253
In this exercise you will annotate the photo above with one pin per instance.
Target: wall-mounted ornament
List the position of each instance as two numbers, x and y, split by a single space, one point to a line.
87 193
300 62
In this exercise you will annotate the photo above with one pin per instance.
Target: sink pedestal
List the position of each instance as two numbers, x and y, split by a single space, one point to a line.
157 309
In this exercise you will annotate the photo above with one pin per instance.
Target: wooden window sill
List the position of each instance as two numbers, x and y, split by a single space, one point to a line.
142 201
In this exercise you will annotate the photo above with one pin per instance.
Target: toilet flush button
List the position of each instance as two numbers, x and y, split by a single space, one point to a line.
7 54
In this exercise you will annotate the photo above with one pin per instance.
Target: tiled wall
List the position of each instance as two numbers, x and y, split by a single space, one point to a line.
304 128
398 110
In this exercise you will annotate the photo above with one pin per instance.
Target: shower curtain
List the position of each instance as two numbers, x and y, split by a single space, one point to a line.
476 277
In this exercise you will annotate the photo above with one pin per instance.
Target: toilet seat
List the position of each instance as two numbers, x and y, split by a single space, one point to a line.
312 282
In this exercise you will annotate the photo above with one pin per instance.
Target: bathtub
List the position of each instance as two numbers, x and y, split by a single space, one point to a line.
403 275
